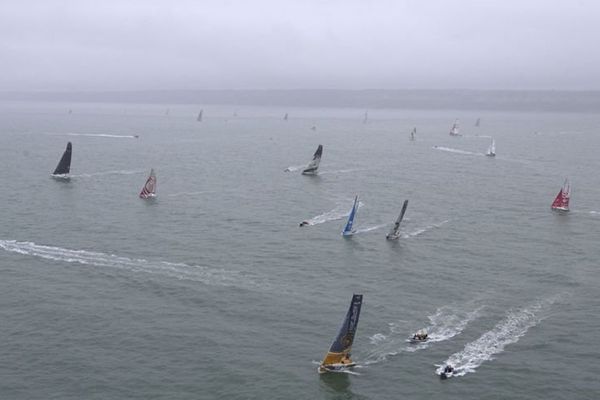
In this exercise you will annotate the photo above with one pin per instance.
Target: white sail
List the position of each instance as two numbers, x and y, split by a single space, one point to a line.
454 131
492 149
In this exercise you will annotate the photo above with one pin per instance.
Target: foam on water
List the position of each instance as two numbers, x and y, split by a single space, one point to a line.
446 323
425 229
116 172
340 212
105 135
369 229
508 331
457 151
183 271
294 168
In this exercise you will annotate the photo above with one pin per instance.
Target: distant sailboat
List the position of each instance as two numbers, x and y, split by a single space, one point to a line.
454 130
492 149
199 118
478 122
561 202
64 165
149 189
366 118
167 112
413 133
313 128
70 111
338 358
348 231
395 231
313 166
285 117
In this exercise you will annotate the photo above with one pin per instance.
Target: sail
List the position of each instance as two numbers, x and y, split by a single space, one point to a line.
313 166
454 130
561 202
285 117
477 122
396 227
413 133
366 118
199 119
64 165
342 345
348 228
149 189
492 148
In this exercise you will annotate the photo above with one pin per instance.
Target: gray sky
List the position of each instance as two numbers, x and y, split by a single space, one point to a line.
279 44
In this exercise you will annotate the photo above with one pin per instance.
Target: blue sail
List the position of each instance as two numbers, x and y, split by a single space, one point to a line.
339 352
348 229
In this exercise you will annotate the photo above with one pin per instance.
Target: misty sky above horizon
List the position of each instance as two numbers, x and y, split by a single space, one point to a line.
82 45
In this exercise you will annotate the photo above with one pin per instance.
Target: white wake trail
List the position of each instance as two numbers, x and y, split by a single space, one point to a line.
106 135
508 331
340 212
425 229
369 229
115 172
446 323
457 151
183 271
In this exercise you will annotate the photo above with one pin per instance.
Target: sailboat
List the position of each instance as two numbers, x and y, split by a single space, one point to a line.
64 165
413 134
366 118
561 202
199 118
149 189
395 231
313 166
492 149
477 122
338 358
454 130
348 231
285 117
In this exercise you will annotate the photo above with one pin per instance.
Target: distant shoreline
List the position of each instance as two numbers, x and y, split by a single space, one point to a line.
459 99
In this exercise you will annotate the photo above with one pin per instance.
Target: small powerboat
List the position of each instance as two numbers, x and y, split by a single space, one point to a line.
448 372
420 337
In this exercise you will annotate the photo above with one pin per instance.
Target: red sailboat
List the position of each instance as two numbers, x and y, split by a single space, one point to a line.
149 189
561 202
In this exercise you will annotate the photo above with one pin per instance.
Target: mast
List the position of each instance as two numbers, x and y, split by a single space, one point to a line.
64 165
339 351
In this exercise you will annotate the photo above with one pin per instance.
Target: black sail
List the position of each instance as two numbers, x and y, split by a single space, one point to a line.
64 165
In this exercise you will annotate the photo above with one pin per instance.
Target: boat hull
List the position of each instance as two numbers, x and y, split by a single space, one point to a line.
309 172
392 236
61 177
560 209
348 234
417 341
334 367
446 375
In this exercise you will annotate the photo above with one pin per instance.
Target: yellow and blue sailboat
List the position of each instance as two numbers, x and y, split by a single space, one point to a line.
338 357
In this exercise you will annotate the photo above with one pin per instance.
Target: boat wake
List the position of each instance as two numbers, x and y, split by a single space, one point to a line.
189 193
294 168
369 229
508 331
116 172
208 276
457 151
342 171
595 212
340 212
446 323
425 229
95 135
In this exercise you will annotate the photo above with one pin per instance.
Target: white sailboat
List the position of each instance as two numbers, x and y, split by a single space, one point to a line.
492 149
454 131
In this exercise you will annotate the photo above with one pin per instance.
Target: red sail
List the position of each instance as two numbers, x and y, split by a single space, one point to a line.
149 189
561 202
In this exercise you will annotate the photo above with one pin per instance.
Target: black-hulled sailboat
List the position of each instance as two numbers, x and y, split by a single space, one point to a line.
338 358
395 231
149 189
313 166
64 165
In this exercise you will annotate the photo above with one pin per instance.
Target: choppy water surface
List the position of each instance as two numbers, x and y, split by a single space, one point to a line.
214 291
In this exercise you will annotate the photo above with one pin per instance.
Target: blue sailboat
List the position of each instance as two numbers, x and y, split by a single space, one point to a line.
338 357
348 231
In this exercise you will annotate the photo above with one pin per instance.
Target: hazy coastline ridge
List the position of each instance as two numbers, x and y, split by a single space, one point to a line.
459 99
